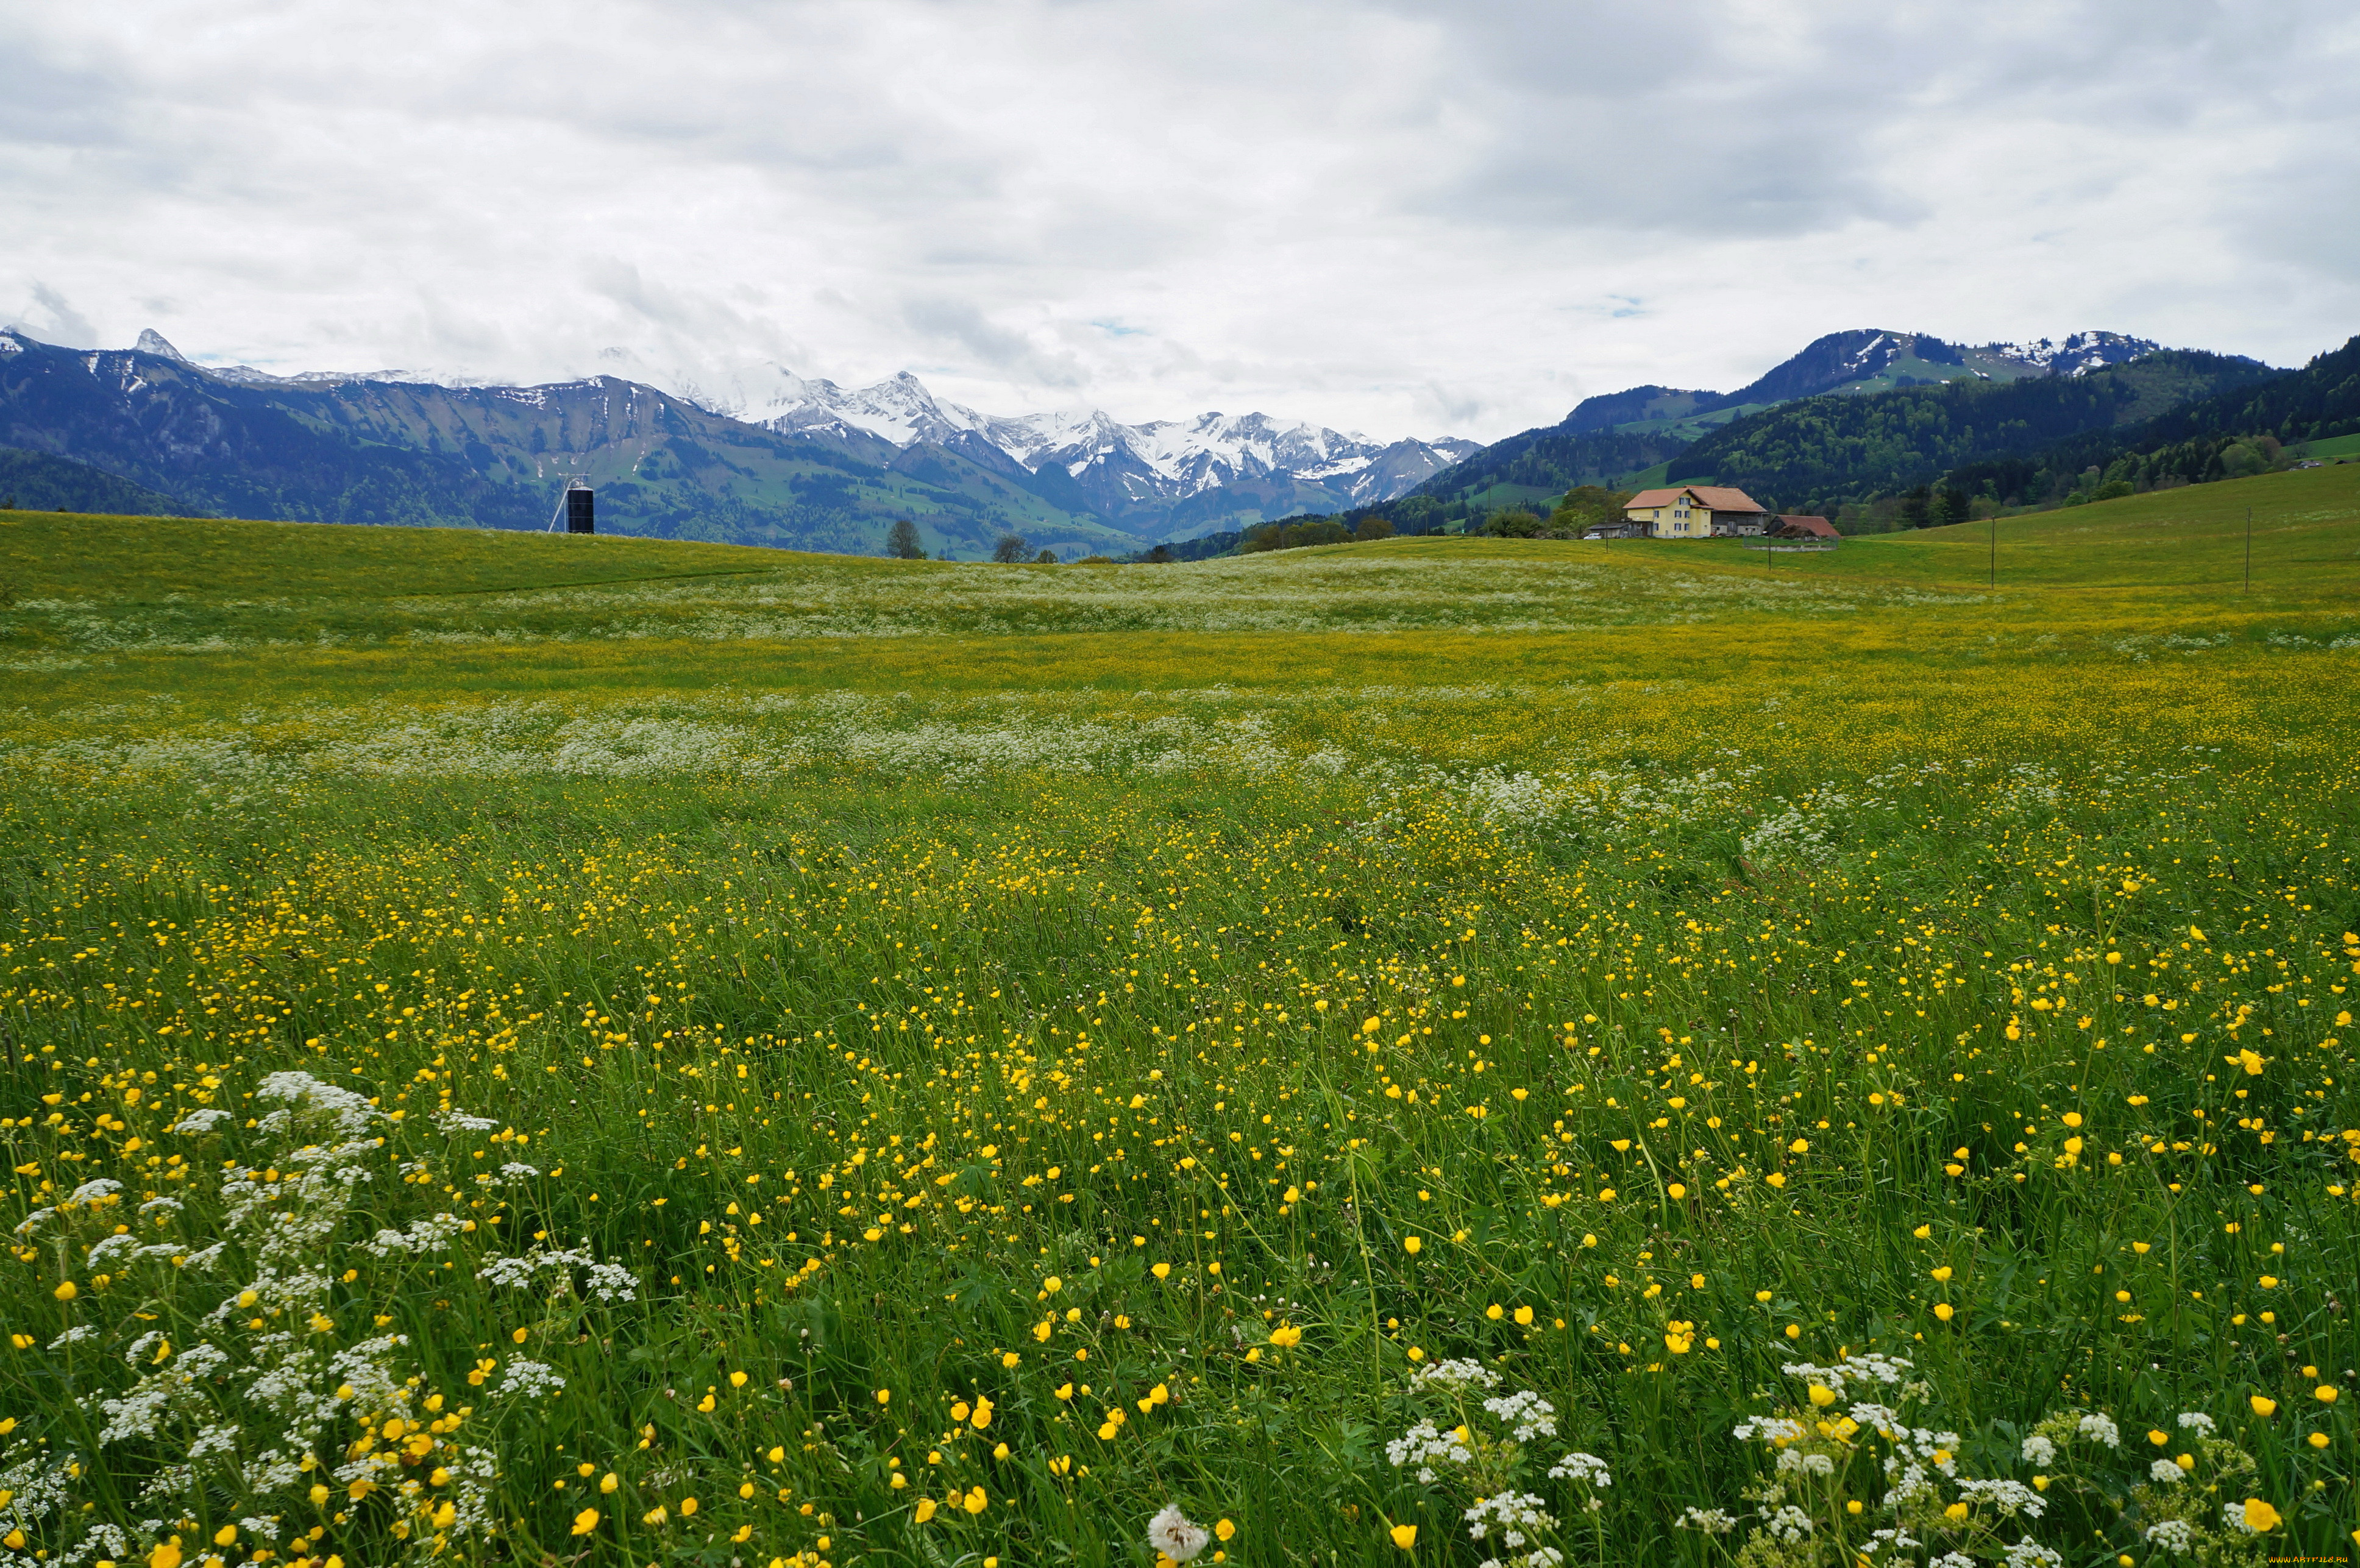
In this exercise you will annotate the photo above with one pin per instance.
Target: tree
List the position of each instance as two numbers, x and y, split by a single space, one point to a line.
1516 523
1161 555
1010 550
1310 531
901 541
1372 530
1586 505
1046 558
2242 460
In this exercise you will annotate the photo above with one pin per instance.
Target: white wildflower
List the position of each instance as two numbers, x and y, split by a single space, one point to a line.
1712 1521
1788 1526
91 1192
203 1121
1515 1515
2039 1451
303 1092
1425 1445
2032 1555
1456 1375
2165 1472
460 1121
1530 1415
532 1379
515 1273
1171 1533
613 1282
2101 1427
102 1251
1582 1470
2175 1536
2010 1497
2197 1422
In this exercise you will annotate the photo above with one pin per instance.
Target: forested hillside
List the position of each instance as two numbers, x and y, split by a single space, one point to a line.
2226 436
1819 453
37 482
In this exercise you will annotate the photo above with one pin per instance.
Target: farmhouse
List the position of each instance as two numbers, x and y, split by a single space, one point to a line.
1697 511
1791 527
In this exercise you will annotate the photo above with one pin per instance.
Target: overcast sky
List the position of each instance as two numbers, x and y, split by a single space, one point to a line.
1401 216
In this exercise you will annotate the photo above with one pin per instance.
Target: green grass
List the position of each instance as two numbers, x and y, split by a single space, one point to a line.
2306 541
2334 447
1057 986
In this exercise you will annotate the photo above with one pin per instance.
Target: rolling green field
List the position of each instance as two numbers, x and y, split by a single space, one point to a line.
526 1048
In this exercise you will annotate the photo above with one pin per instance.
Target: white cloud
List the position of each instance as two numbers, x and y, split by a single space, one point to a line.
1404 216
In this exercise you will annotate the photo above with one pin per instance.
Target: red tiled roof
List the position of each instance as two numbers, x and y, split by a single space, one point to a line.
1721 498
1713 498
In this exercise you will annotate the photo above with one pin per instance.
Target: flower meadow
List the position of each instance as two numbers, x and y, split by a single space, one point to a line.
1877 1094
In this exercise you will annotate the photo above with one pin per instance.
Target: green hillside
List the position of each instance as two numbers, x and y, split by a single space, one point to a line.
2229 434
1817 454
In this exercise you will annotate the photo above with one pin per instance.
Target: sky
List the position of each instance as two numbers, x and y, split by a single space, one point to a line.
1402 217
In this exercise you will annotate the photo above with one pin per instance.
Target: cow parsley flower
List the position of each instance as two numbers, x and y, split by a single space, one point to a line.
531 1379
1530 1415
1425 1445
1456 1375
1582 1470
1515 1515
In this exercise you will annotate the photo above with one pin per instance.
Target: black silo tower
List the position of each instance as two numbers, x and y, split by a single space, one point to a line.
579 516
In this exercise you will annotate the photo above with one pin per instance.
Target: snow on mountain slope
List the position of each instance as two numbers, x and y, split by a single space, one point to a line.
2077 354
1161 460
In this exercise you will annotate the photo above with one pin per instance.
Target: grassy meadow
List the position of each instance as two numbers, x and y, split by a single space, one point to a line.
549 1051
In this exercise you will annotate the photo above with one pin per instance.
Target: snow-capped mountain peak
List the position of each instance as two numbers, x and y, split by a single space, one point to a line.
2077 354
1162 459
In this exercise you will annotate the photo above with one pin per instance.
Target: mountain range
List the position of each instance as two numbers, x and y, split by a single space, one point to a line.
764 456
1854 414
